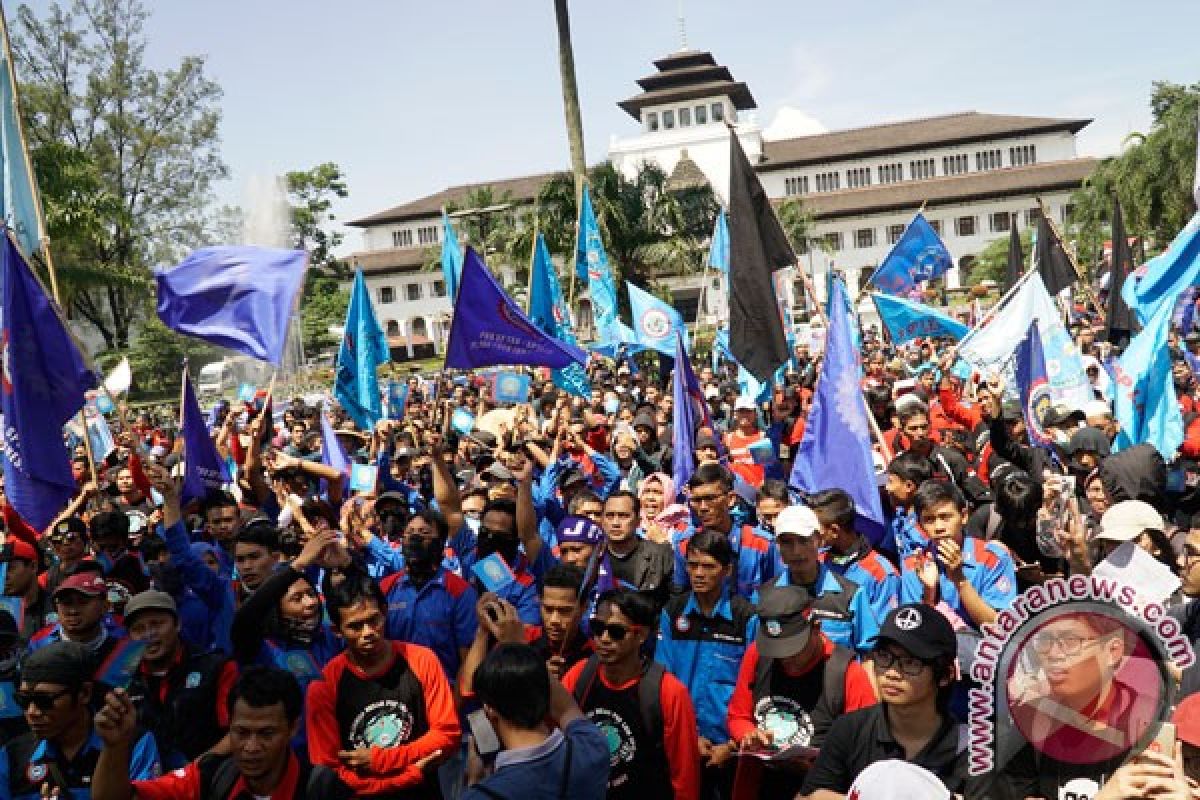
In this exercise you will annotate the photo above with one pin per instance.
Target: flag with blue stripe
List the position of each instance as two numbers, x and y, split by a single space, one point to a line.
1145 403
718 249
655 323
1036 395
591 265
549 312
1161 279
364 348
452 258
19 202
919 255
906 320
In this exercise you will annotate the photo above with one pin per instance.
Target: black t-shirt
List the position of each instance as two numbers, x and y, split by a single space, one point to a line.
385 711
858 740
638 768
648 567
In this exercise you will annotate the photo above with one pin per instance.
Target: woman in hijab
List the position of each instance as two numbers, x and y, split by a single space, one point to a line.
662 518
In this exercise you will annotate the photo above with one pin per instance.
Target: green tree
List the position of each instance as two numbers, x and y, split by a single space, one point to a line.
570 93
797 222
323 307
311 194
157 357
1152 176
141 138
992 262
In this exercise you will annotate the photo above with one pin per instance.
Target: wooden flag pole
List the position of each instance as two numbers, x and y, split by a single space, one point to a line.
87 446
1087 287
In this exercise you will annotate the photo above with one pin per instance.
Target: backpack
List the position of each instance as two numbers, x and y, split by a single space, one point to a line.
649 695
219 774
833 693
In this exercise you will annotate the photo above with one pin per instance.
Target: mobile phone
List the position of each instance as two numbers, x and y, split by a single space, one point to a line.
1164 740
487 743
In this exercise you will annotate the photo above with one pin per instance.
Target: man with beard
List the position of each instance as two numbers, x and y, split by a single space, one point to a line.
383 713
181 695
264 709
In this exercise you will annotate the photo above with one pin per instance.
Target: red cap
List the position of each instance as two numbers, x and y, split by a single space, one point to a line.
22 549
89 583
1187 720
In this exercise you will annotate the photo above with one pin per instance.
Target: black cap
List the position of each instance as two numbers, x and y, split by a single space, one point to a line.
783 624
921 630
67 525
1010 409
63 662
1059 415
571 476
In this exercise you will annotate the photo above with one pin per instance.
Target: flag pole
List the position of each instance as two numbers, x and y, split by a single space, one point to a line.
996 308
864 290
87 445
1087 287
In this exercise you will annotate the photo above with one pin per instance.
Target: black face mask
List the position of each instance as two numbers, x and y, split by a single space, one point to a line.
490 542
421 554
392 525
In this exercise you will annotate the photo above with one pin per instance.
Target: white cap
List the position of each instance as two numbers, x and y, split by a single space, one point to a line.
798 521
744 403
1097 408
897 780
1126 521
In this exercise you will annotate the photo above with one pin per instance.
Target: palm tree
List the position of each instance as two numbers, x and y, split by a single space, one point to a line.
570 92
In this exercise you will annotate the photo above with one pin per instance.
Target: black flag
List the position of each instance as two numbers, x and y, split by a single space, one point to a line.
1120 323
1053 262
757 247
1016 259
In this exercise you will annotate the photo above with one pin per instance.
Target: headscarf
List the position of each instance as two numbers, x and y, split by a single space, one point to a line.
674 515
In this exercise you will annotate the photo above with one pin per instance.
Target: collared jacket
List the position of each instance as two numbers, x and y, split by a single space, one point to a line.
757 557
844 610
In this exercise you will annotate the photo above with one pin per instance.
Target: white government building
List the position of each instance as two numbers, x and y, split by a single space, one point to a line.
976 173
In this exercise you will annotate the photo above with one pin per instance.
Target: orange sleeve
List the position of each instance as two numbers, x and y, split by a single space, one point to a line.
572 677
681 740
1190 448
229 676
969 418
182 784
444 732
740 719
859 692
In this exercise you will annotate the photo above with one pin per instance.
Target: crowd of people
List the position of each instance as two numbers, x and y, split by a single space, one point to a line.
539 610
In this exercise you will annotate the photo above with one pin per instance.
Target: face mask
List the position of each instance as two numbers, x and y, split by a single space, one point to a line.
611 404
421 553
506 546
301 632
392 525
472 524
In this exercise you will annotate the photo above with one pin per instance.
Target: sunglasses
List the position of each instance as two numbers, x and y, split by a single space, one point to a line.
615 630
43 700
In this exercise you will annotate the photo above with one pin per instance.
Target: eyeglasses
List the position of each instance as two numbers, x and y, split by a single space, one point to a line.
707 499
43 700
485 533
615 630
908 665
1069 645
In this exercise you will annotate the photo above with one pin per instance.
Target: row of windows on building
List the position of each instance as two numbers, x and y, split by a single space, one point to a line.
426 234
918 170
964 226
685 116
412 291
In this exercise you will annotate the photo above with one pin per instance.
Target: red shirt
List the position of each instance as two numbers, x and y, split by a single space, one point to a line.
184 784
740 460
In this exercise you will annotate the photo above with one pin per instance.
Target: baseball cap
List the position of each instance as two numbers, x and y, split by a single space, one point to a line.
797 520
893 779
1010 409
1187 720
19 549
704 440
73 525
783 623
62 662
395 496
580 530
744 403
921 630
571 476
1059 415
498 471
89 583
1126 520
150 600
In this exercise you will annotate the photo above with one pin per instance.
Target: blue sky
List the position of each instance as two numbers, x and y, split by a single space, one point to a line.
411 97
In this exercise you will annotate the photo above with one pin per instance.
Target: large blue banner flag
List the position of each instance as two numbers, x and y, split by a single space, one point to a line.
204 469
452 258
1161 279
918 255
1144 402
238 296
19 203
836 448
332 453
490 330
655 323
718 249
621 342
591 264
689 409
1036 393
906 320
548 311
43 377
364 348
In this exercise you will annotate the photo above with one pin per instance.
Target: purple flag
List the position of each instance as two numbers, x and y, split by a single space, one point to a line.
1036 399
42 385
204 469
490 330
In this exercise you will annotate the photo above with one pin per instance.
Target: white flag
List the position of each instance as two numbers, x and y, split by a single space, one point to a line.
990 348
119 380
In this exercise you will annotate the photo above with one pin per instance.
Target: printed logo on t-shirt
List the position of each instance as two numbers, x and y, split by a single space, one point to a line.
385 723
1079 789
789 724
622 748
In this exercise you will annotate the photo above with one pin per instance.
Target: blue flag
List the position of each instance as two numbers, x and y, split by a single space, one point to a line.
42 386
918 255
1145 403
490 330
655 323
620 343
591 264
1036 394
452 258
332 454
687 402
239 297
906 320
836 448
1161 279
204 469
19 204
549 312
364 348
718 249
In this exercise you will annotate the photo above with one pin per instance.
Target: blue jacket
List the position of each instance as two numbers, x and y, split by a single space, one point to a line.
844 610
757 556
144 764
216 593
439 615
535 773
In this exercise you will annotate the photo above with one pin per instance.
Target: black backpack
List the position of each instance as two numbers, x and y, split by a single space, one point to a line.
649 695
218 776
